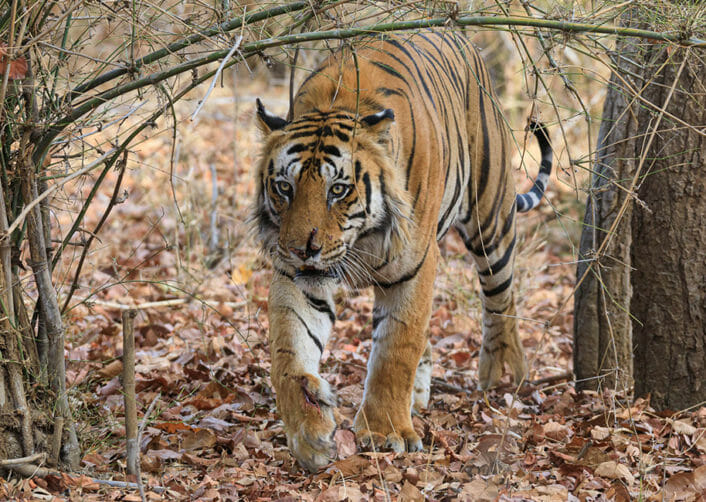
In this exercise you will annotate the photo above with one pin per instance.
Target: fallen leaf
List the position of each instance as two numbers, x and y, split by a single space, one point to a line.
685 484
556 431
392 474
460 357
351 466
199 439
479 490
701 442
164 454
618 492
172 427
615 470
600 433
110 388
215 424
112 369
18 66
345 443
682 427
241 274
410 492
412 475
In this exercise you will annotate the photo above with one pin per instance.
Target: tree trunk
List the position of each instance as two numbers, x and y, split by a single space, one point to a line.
35 417
643 266
602 327
669 241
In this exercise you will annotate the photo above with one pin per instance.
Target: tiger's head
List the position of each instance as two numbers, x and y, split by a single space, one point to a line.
331 203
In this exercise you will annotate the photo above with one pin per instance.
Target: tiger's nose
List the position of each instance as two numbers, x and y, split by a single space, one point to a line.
311 250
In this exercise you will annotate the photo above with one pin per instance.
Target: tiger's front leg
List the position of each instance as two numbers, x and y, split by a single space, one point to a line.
300 325
401 317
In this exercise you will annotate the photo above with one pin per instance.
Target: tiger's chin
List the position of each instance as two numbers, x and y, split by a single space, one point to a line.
311 278
316 274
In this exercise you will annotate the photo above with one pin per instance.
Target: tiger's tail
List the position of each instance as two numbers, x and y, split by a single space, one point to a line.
531 199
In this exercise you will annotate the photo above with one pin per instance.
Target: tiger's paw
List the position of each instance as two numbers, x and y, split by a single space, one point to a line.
307 411
404 441
491 364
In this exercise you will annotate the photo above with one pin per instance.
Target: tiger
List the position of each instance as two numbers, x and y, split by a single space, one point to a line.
387 146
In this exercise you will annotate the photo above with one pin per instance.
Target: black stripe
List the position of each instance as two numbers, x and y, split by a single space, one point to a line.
304 134
444 62
299 147
498 289
377 319
474 196
500 264
409 275
331 150
413 147
308 331
388 69
485 165
481 249
413 60
368 192
388 92
341 136
381 227
320 305
282 272
304 125
494 211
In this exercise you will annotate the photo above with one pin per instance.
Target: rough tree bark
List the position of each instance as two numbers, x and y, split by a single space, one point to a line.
669 240
644 240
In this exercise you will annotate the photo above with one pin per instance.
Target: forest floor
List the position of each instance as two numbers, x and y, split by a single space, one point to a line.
213 432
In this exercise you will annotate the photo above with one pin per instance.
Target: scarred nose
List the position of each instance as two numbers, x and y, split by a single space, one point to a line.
311 249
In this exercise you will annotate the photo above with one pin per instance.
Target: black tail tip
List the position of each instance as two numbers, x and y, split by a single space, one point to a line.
540 131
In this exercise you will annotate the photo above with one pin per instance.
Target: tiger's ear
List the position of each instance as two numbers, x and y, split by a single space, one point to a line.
267 121
379 124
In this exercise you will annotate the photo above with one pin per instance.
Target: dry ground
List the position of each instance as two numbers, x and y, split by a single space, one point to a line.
202 359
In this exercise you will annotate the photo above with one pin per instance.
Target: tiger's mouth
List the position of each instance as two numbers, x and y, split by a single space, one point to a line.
310 272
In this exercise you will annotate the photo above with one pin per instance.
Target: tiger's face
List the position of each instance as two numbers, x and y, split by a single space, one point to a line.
323 192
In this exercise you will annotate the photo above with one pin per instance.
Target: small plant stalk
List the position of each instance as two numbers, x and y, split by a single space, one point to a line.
49 307
129 391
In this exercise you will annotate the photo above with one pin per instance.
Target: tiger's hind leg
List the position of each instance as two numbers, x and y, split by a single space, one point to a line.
501 342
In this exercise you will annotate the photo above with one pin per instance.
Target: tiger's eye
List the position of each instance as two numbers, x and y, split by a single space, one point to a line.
283 187
338 190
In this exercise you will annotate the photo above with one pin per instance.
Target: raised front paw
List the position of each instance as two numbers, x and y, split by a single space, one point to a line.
306 404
